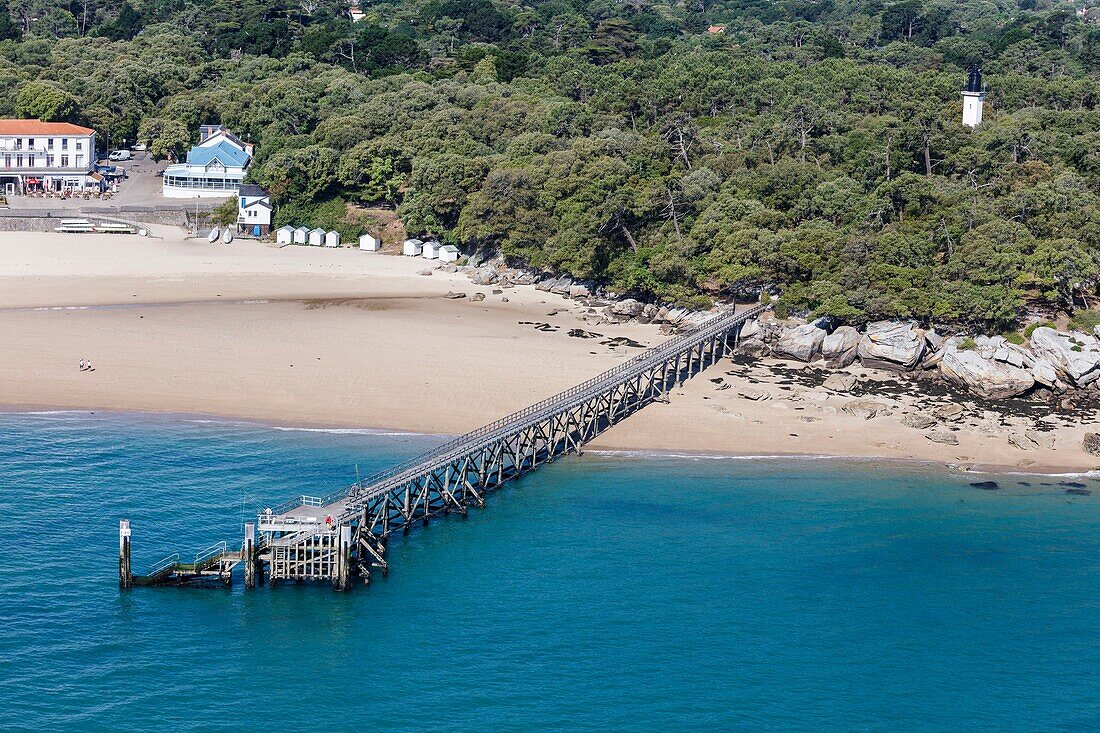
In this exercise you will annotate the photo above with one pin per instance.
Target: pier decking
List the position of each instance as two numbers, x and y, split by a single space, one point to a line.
343 536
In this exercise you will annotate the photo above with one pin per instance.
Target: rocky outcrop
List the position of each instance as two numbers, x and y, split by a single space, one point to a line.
1074 355
992 380
1091 444
839 347
891 345
801 342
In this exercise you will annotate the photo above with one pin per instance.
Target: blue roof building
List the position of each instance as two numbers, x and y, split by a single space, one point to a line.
215 167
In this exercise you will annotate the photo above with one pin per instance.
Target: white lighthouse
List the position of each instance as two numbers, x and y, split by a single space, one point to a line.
973 98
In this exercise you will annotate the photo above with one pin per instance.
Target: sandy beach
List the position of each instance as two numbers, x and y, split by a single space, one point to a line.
343 338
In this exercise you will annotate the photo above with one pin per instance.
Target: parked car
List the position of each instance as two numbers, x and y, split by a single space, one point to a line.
120 155
139 147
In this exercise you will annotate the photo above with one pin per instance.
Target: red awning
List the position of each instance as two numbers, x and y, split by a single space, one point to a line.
33 180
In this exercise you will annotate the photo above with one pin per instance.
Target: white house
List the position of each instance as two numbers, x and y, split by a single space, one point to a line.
413 247
46 156
370 243
301 235
317 237
214 168
332 239
253 211
430 251
285 235
448 253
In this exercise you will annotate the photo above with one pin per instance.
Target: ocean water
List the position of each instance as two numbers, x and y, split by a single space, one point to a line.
612 593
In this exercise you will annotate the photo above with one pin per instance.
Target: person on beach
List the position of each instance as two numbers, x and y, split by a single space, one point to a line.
82 367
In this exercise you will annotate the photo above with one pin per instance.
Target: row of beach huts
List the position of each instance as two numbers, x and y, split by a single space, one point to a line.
431 250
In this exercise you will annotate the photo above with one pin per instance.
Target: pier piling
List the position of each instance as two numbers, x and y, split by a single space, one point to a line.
125 577
249 553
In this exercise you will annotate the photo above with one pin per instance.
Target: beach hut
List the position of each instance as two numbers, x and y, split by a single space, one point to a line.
430 251
370 243
301 235
413 247
284 235
316 237
448 253
332 239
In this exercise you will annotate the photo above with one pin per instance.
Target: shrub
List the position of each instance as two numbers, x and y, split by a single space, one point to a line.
1038 324
1085 320
1014 337
967 344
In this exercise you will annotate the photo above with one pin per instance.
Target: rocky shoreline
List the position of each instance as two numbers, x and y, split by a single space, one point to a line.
1056 371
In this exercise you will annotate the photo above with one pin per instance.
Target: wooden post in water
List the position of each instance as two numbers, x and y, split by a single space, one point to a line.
342 579
125 577
249 552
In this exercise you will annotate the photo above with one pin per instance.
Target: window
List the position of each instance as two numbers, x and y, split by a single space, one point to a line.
7 161
79 145
49 161
30 161
49 144
19 161
79 160
64 161
18 143
64 143
30 142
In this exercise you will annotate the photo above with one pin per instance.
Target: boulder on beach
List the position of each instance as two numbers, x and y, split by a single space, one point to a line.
576 290
1044 373
839 347
484 275
891 345
1075 355
992 380
945 437
1091 444
840 382
867 409
628 308
801 342
918 421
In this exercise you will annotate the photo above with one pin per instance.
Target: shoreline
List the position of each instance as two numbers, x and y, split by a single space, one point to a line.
599 450
317 338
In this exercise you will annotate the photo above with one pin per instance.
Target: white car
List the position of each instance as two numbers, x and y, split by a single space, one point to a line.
139 147
120 155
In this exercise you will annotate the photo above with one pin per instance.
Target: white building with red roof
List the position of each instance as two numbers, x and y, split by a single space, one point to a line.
37 155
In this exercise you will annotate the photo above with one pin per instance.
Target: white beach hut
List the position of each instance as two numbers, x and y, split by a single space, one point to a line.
332 239
316 237
301 235
284 235
413 247
448 253
430 250
370 243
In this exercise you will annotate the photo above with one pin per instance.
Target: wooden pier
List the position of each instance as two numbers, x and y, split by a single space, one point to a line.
341 538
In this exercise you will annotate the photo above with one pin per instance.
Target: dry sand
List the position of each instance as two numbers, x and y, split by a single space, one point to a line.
343 338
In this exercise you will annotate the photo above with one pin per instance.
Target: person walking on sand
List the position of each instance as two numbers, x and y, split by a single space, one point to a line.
90 368
82 367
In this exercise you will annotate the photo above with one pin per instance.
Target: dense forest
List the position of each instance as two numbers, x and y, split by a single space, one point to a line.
706 148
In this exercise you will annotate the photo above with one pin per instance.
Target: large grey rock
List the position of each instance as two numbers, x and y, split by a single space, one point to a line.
918 421
628 308
561 285
935 341
577 290
1091 444
839 347
801 342
1075 355
1045 374
866 409
484 276
749 329
840 382
992 380
946 437
891 345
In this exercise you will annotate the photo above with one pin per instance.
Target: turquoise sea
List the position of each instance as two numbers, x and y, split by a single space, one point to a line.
610 593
